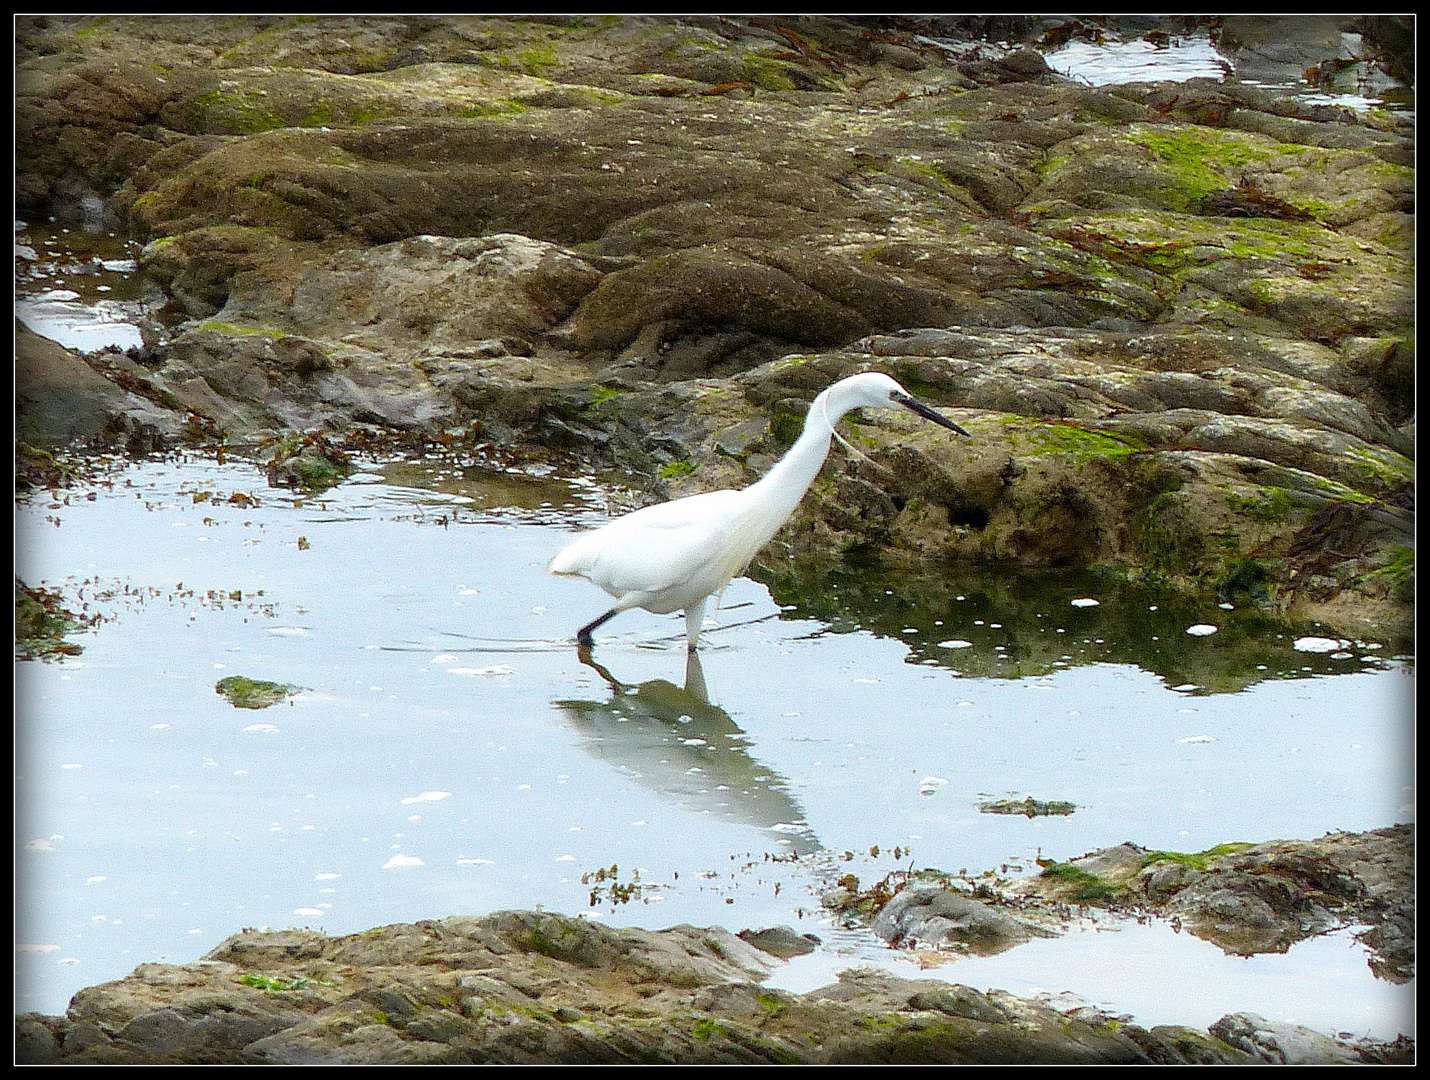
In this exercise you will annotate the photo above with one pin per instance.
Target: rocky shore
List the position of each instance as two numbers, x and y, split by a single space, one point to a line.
1177 318
536 987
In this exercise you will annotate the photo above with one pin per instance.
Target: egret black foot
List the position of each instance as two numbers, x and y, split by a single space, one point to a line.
583 636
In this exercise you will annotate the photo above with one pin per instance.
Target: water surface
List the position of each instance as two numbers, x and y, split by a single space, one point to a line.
444 749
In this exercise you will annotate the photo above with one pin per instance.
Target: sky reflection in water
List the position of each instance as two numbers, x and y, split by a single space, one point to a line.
447 751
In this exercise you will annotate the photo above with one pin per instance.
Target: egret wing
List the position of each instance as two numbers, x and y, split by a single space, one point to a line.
653 549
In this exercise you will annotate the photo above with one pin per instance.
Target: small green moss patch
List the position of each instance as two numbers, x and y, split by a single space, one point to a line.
244 331
269 982
246 693
676 468
1079 442
1196 860
1085 887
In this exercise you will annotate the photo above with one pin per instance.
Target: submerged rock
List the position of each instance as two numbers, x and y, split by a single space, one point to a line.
245 693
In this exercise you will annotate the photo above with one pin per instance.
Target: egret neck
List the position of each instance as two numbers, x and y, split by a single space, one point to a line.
773 498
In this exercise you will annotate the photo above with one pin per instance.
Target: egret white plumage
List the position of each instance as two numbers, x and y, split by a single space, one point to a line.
674 556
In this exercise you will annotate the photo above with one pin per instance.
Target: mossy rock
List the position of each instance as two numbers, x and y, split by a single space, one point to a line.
245 693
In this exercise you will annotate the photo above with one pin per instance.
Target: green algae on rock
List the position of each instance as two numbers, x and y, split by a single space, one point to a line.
1179 318
245 693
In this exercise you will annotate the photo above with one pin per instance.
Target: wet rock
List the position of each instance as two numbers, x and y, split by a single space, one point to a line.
794 297
1178 317
196 268
1281 1044
36 1043
60 399
1135 466
950 919
193 1033
246 693
1260 898
1169 1045
449 292
1246 898
309 462
536 988
780 941
533 988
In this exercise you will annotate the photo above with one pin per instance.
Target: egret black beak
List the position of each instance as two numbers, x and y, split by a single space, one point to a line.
915 405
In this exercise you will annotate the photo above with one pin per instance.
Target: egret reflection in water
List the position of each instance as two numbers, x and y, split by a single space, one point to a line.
672 740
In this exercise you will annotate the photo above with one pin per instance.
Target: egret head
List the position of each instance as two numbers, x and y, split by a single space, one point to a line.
877 390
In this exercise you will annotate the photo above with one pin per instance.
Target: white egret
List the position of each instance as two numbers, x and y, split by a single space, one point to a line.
674 556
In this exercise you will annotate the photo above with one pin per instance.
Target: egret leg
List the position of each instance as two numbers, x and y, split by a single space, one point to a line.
694 620
583 636
695 677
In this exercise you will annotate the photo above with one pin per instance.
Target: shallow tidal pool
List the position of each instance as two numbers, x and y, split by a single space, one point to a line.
439 748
